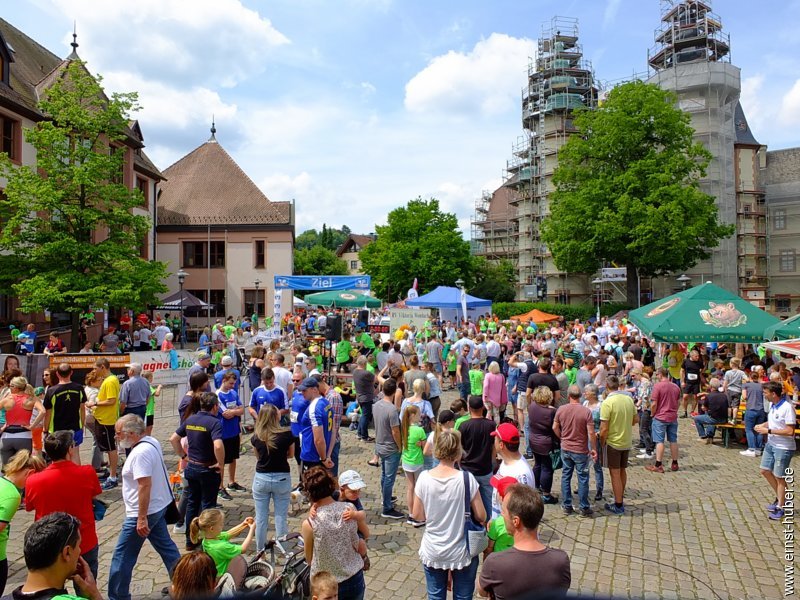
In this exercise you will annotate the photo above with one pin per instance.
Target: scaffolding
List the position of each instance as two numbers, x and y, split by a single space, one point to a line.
560 81
494 228
692 59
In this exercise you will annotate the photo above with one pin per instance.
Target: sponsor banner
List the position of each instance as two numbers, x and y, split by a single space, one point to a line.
158 364
408 317
322 283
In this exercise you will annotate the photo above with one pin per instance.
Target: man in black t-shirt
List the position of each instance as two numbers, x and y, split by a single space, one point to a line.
478 445
543 377
65 407
716 412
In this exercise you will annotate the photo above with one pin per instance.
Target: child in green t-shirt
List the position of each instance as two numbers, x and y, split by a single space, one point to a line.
216 543
476 379
150 410
413 438
216 358
499 538
343 349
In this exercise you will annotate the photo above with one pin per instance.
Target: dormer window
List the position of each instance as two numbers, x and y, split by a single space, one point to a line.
6 58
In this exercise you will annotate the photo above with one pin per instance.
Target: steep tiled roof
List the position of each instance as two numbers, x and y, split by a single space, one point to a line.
207 187
143 163
354 239
743 134
32 63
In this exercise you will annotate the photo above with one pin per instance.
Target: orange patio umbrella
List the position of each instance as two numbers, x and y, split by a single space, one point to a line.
537 316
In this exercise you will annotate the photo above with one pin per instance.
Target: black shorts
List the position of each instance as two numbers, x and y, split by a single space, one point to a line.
105 435
232 446
616 459
149 420
691 387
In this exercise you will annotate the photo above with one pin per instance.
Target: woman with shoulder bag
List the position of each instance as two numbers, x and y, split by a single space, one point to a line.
441 495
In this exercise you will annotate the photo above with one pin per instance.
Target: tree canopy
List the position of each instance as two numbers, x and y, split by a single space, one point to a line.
330 237
318 260
419 240
627 189
493 281
70 239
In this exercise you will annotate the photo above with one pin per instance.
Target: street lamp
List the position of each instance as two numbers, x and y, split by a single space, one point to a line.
460 283
181 278
256 283
684 280
597 287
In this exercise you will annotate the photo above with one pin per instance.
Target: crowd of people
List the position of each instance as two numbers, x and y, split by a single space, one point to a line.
529 401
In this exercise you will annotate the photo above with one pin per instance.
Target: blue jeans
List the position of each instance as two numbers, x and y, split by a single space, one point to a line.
127 551
465 389
335 458
755 441
353 588
665 431
705 425
136 410
572 461
202 485
276 487
364 419
485 490
389 466
92 558
463 582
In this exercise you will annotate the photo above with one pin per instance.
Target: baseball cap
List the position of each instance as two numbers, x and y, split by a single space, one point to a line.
137 367
308 382
507 433
501 484
227 361
203 356
353 480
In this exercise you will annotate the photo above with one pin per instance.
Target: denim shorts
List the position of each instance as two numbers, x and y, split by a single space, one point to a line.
663 430
776 460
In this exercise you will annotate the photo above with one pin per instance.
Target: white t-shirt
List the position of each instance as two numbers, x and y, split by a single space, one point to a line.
519 470
145 460
780 415
161 332
443 544
283 378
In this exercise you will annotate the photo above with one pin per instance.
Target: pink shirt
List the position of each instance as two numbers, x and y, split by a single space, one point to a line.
494 389
667 397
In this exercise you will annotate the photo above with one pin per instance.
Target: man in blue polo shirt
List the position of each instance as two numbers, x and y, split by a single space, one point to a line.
316 425
270 393
230 416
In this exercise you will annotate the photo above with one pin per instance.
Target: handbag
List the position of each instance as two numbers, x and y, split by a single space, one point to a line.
555 458
475 535
172 514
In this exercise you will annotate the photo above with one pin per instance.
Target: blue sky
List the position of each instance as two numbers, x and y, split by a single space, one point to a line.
353 107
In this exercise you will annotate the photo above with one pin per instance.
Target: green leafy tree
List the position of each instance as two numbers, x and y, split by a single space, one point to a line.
494 281
421 241
330 237
318 260
307 239
70 240
627 190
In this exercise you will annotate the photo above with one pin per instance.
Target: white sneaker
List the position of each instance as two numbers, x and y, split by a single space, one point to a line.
748 452
179 529
645 455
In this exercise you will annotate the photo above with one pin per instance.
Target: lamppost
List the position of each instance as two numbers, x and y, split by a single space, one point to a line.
684 280
181 278
460 286
597 289
256 283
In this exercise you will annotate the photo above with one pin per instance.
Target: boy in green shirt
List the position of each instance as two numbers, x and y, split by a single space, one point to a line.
150 410
216 358
459 408
499 538
343 349
476 379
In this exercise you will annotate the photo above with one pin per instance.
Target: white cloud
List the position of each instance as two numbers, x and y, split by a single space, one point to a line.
486 80
610 13
280 186
790 106
187 41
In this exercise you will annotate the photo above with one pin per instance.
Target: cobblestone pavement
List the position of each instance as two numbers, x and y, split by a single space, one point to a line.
704 525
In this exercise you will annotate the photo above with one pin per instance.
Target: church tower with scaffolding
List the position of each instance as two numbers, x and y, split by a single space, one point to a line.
692 59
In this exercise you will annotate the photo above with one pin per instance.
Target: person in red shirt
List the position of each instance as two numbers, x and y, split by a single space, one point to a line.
125 321
66 487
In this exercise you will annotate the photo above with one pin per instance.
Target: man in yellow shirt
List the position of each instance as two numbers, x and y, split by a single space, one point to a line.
106 414
617 418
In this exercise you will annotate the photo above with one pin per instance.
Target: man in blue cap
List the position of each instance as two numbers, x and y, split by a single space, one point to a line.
316 427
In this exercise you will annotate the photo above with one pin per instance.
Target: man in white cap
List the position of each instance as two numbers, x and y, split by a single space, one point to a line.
227 367
135 392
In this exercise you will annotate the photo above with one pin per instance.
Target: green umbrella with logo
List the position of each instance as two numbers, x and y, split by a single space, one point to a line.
346 299
784 330
704 313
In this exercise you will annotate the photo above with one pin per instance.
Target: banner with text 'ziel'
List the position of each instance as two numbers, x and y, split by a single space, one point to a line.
317 283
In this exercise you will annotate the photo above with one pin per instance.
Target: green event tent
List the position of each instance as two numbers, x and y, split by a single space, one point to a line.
784 330
342 300
704 313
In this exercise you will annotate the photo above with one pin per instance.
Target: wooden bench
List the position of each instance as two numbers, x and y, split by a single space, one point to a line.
727 428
